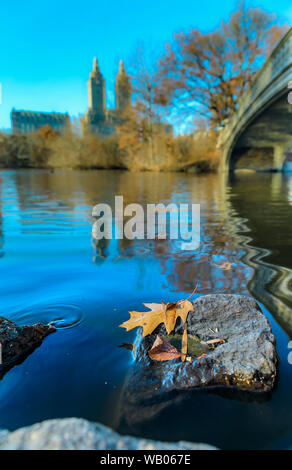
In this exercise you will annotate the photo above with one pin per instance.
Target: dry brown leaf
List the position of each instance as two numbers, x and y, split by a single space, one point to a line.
226 266
128 346
148 320
214 341
201 357
159 313
184 345
162 350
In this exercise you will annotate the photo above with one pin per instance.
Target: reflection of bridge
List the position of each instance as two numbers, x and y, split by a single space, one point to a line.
266 239
264 117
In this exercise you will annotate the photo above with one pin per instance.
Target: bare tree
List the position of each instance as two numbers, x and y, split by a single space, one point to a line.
141 122
207 73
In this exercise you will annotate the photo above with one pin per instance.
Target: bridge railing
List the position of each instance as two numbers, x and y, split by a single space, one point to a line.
275 65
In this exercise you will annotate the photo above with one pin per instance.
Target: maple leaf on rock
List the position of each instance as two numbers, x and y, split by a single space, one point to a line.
148 320
157 314
168 314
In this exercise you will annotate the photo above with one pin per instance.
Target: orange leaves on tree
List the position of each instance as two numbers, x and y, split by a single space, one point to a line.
209 72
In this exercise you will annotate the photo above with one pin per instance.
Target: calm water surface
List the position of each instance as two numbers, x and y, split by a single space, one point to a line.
51 271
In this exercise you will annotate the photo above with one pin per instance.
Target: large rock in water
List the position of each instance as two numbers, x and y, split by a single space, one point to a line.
79 434
247 361
17 342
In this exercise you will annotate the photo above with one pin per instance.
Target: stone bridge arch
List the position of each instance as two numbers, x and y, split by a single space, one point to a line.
263 120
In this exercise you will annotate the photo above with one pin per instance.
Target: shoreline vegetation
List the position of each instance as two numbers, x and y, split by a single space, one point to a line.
48 149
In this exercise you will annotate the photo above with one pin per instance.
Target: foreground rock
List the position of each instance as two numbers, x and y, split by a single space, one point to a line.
17 342
79 434
243 366
247 360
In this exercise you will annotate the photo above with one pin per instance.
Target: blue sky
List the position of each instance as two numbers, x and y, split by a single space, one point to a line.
47 48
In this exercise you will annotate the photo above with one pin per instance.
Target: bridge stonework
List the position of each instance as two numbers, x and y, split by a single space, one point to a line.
263 120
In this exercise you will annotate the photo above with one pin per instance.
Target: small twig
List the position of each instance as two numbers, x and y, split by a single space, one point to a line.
193 291
184 300
201 357
214 341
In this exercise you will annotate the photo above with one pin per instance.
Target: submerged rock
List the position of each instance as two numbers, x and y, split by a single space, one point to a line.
79 434
247 361
17 342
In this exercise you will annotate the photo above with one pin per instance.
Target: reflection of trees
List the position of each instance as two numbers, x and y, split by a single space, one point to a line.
64 201
54 194
64 198
182 269
264 202
257 200
101 249
66 188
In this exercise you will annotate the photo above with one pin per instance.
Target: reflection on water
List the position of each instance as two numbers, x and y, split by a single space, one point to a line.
51 271
267 209
181 269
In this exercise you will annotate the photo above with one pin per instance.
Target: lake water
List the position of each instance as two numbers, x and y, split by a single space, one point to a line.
51 271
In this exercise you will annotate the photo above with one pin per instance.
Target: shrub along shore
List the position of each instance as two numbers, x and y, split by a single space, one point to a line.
163 152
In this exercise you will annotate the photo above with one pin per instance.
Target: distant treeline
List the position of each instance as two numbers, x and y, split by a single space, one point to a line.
49 149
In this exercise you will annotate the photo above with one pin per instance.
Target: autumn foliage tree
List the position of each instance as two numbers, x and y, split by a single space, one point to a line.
207 73
142 121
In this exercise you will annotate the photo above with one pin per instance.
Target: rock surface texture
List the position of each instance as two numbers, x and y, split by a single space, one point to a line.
79 434
17 342
247 360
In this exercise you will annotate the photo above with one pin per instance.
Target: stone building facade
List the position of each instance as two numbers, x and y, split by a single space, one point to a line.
28 121
98 119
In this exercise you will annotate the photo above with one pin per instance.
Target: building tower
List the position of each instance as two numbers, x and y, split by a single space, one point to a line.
122 89
96 90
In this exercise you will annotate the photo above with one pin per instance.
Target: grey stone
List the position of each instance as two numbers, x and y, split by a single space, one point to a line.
243 366
79 434
247 360
17 342
3 434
